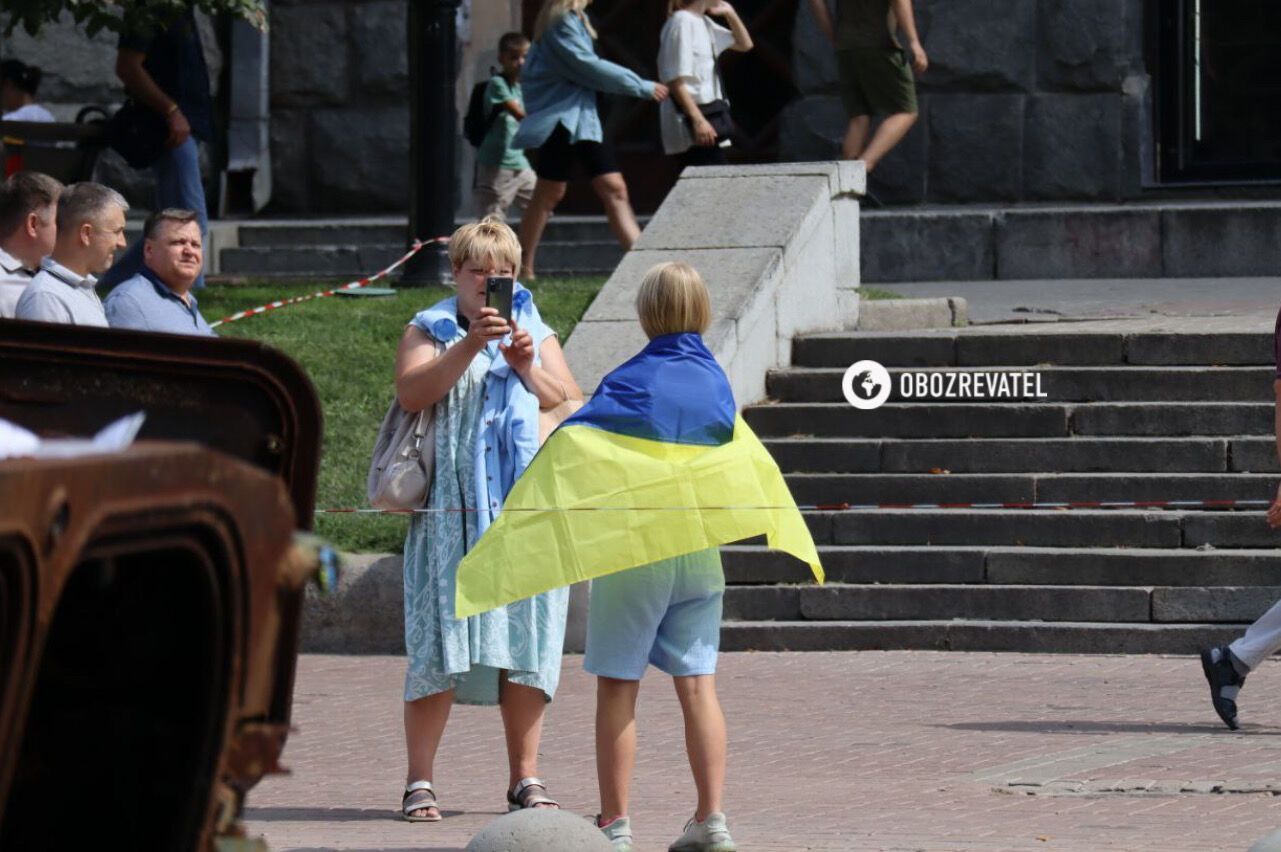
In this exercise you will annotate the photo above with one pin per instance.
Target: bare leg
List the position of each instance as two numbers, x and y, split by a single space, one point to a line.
889 134
704 739
522 709
424 726
547 194
615 743
855 137
612 191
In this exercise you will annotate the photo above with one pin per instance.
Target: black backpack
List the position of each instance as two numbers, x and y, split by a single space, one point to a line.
476 123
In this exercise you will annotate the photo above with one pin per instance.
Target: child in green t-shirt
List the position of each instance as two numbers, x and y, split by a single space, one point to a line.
503 175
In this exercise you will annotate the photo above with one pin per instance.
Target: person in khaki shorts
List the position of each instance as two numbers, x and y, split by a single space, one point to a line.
874 71
503 174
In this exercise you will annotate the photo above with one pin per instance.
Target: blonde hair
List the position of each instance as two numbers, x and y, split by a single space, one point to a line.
490 241
673 299
554 10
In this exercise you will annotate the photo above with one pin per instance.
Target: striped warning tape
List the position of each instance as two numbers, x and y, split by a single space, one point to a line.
354 285
844 507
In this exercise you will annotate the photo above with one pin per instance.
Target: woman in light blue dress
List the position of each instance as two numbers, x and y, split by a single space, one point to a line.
487 394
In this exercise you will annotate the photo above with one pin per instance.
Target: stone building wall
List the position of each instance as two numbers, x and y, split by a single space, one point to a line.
339 98
1024 100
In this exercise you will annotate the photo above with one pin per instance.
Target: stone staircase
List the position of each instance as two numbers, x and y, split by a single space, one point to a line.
572 245
1128 417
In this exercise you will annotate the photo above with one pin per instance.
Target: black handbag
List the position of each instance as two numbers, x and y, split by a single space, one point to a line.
138 133
716 111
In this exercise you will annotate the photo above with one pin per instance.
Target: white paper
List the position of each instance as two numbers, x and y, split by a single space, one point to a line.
17 442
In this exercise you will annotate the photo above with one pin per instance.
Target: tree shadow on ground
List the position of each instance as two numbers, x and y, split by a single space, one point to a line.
1085 726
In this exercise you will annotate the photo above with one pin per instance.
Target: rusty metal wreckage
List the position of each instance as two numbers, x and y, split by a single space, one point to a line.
150 600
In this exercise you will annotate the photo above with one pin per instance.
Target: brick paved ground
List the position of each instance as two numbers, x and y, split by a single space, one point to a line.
828 751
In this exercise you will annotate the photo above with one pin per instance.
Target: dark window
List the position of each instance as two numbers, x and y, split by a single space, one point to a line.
1219 89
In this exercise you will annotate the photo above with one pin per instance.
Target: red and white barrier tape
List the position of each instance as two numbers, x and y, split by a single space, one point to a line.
846 507
354 285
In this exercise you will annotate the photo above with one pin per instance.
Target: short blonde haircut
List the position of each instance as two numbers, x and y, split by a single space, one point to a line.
489 241
673 299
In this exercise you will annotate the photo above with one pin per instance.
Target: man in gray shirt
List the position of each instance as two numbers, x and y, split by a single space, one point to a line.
28 208
159 297
91 229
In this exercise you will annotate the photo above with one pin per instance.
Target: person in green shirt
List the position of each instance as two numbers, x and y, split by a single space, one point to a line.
874 72
503 174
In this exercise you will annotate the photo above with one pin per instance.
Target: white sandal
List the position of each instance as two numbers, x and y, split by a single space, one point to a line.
524 797
410 802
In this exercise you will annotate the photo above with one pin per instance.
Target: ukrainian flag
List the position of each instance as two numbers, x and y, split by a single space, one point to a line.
658 464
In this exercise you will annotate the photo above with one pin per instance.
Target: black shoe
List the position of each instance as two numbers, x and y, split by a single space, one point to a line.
1220 675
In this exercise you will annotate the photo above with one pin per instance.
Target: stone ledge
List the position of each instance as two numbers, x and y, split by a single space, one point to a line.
908 314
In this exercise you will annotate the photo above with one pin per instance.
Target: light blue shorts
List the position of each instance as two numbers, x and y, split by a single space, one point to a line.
667 613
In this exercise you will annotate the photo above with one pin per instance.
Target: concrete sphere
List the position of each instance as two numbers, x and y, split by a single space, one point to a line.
1268 843
540 830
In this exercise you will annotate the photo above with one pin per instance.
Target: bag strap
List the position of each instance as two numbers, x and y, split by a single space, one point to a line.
718 89
422 421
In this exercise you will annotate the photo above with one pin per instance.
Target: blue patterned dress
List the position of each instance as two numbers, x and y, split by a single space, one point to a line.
526 637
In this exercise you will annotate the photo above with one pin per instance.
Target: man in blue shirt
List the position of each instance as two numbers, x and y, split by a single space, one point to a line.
159 297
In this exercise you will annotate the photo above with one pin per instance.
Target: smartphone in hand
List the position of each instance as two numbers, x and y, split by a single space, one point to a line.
498 294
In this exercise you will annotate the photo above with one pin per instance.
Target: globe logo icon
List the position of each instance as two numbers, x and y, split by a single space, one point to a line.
866 385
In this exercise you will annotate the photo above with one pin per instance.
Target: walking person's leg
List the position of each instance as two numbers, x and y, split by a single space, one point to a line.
888 134
523 708
547 194
855 137
611 189
1226 667
425 721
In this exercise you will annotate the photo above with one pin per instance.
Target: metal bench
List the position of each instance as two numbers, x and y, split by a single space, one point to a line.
64 150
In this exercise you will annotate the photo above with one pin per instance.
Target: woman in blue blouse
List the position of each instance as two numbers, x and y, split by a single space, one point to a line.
487 379
561 78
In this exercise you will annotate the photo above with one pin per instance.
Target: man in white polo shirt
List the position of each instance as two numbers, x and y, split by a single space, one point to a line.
91 229
28 208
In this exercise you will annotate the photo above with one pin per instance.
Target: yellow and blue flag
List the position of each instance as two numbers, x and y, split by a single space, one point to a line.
657 465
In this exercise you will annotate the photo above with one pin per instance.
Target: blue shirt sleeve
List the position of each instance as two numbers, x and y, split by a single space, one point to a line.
571 45
123 311
43 307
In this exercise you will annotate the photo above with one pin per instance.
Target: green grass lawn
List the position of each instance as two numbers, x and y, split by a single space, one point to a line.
347 345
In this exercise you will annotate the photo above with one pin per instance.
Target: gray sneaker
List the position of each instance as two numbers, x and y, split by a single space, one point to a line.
619 833
710 835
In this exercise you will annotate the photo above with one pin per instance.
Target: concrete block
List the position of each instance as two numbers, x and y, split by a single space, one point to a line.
1217 348
1115 243
1176 418
379 48
1075 455
1221 240
1072 147
919 420
811 128
540 830
845 177
762 603
309 58
1218 604
709 213
1086 487
889 349
876 488
976 142
364 615
905 314
976 46
980 350
813 56
373 182
1080 603
290 175
1254 455
594 348
76 68
732 277
1033 528
870 564
1130 567
1084 44
1228 530
827 456
902 177
928 246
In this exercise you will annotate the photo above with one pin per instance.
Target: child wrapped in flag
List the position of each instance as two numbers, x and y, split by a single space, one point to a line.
651 475
657 465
